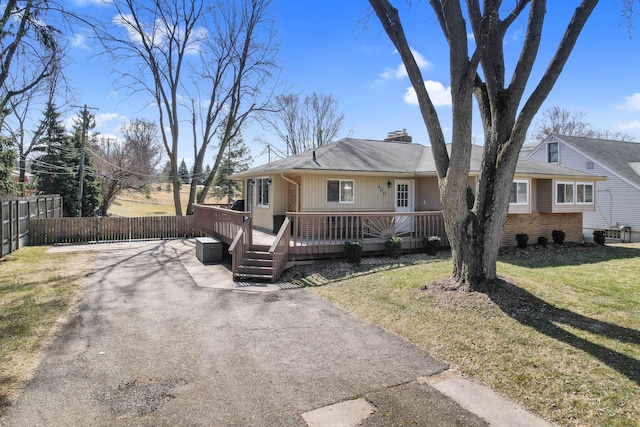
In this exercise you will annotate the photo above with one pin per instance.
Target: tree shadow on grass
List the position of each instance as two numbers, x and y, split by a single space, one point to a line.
531 311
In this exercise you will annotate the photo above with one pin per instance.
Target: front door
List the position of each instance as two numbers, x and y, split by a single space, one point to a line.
404 203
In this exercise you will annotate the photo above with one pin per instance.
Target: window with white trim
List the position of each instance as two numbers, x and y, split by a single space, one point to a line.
340 190
564 193
552 152
584 193
262 192
519 193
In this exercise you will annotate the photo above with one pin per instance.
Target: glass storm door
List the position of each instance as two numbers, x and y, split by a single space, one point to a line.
403 204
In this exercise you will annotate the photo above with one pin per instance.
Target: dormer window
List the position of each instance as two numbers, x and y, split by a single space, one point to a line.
552 152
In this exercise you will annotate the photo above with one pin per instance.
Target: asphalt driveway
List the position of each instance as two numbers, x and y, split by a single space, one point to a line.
147 346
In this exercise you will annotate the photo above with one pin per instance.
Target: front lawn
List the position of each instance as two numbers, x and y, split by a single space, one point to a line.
560 333
36 290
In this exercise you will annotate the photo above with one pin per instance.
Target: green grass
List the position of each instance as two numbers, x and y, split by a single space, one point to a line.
564 342
36 289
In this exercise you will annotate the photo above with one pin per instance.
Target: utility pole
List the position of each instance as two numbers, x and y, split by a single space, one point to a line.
85 116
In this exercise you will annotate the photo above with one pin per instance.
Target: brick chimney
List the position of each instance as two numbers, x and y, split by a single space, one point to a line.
398 136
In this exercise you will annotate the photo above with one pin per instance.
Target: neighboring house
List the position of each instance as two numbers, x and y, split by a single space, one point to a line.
528 148
396 176
618 198
15 176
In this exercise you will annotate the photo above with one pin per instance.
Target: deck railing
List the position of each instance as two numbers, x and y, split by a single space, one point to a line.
240 244
280 248
324 232
217 222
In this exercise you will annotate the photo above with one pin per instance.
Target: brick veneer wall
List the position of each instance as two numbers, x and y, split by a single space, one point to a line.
538 224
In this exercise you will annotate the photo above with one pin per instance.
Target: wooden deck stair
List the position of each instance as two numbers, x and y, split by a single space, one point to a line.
256 264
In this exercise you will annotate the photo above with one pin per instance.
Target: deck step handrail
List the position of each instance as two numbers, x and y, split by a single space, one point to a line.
279 250
241 244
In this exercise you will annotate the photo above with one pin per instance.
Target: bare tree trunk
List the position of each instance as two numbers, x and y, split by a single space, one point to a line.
475 234
22 165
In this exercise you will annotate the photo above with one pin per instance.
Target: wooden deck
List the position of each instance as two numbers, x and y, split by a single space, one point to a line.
263 238
312 235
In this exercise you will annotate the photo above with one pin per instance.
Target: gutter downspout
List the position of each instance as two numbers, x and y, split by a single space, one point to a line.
297 191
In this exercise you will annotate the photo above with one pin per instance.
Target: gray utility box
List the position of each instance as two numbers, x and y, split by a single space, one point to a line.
208 250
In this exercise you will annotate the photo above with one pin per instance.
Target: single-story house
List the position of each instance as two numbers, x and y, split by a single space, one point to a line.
618 198
358 175
370 189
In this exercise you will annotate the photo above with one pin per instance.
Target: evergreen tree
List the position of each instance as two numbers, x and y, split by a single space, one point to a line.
205 174
91 184
7 164
183 173
56 169
237 159
165 175
201 176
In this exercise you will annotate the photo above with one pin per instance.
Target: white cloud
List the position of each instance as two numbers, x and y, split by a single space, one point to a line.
157 33
400 71
126 21
632 102
632 125
440 96
83 3
79 40
111 137
103 122
102 119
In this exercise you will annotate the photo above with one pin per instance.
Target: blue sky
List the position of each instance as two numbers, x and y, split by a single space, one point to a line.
336 47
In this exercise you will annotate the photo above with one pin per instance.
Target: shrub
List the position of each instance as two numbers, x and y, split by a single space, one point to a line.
393 246
598 237
522 239
431 244
542 241
471 198
558 236
353 251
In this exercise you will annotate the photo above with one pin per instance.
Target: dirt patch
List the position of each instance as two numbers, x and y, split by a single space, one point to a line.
448 292
139 397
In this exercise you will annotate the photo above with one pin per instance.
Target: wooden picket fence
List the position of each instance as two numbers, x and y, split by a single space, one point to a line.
109 229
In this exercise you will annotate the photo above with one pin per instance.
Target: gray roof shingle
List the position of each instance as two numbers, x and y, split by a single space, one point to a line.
371 156
619 156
